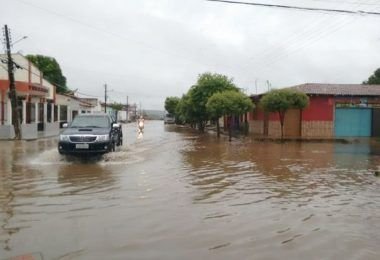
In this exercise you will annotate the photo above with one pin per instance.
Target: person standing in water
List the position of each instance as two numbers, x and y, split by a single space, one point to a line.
140 125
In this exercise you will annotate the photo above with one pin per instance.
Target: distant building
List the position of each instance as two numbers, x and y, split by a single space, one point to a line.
335 110
94 105
68 106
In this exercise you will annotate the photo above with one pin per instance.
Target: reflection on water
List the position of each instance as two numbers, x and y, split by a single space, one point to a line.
175 194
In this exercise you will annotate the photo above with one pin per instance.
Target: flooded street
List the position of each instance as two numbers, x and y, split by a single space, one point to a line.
175 194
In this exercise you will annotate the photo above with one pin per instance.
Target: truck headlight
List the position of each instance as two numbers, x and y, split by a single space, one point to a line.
102 138
64 138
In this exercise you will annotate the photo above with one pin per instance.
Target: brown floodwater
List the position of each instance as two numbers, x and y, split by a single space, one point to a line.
175 194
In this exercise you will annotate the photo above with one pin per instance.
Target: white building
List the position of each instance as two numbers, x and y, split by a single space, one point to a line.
41 110
68 106
35 101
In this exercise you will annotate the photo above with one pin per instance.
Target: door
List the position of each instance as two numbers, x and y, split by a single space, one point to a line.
353 122
292 123
74 113
376 122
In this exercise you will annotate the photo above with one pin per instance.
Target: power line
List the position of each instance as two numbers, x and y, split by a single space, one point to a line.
307 31
54 83
18 66
3 66
344 2
81 93
297 7
311 40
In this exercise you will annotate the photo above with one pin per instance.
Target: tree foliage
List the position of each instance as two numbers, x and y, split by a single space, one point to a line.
184 112
198 95
229 102
171 104
51 71
211 97
374 79
280 100
116 106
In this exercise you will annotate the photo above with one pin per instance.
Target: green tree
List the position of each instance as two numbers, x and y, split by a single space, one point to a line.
280 100
184 112
51 71
229 103
374 79
198 95
116 106
171 104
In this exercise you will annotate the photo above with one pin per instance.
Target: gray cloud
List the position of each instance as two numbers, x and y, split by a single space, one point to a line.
152 49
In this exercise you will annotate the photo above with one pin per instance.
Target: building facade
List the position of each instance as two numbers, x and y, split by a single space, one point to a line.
36 98
335 110
41 110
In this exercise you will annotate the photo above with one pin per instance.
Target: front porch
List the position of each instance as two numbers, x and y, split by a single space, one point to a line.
39 118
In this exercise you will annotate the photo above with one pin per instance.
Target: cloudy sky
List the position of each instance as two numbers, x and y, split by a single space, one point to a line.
151 49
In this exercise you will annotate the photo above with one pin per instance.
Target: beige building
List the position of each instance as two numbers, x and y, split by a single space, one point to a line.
35 101
41 109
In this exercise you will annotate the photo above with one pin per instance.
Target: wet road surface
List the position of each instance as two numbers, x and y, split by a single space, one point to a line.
175 194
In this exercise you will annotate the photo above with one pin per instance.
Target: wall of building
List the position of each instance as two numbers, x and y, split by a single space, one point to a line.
316 120
321 108
51 89
256 127
317 129
318 117
20 74
274 128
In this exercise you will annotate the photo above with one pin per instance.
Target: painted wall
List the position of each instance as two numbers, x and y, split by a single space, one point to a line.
27 74
20 74
51 89
317 118
321 108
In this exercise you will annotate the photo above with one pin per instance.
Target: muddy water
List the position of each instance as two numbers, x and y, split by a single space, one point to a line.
176 195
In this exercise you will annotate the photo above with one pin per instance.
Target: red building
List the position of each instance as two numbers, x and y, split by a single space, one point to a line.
335 110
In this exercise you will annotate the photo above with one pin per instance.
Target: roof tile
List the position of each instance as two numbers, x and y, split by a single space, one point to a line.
339 89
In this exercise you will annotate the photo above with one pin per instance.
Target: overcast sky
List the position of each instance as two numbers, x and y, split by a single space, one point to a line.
151 49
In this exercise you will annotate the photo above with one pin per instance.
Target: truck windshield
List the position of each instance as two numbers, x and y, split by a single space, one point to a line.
90 121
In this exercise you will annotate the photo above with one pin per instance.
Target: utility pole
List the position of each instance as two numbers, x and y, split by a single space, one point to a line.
105 98
12 86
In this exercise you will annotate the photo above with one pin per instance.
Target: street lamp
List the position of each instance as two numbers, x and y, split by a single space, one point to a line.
19 40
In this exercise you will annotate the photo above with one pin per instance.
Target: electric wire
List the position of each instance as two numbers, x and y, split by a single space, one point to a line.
304 44
309 41
296 7
308 33
343 2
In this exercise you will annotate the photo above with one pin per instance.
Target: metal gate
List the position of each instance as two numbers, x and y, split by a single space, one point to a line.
376 122
353 122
